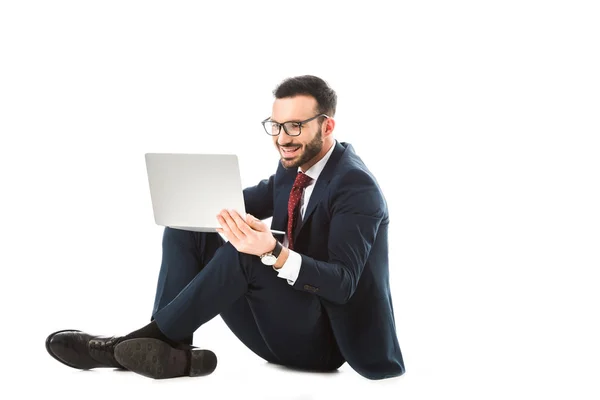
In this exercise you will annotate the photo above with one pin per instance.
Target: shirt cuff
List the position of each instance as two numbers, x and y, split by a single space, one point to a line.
291 268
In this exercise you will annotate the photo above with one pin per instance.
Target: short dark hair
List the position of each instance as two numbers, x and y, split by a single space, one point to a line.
312 86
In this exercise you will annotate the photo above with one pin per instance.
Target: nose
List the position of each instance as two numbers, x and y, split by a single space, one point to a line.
283 139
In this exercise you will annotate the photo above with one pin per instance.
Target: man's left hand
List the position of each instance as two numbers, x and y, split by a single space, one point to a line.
250 235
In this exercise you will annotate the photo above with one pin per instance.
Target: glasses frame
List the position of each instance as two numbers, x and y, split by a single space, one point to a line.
300 123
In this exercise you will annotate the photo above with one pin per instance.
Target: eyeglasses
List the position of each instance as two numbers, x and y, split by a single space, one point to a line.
292 128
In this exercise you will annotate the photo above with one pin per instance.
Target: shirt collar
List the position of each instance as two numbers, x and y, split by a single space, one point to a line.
314 171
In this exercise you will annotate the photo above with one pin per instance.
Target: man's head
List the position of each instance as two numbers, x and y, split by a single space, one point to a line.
298 101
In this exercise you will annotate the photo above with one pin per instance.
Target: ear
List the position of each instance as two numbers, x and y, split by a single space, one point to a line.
329 126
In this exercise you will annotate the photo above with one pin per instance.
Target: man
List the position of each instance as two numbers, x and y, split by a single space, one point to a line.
316 300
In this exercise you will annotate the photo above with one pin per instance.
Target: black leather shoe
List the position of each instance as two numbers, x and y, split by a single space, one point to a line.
81 350
156 359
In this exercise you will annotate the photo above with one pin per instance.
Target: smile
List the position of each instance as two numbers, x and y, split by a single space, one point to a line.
287 151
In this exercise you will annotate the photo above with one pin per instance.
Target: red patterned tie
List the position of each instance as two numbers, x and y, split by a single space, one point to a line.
302 181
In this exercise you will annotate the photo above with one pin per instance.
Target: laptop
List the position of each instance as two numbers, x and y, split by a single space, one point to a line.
189 190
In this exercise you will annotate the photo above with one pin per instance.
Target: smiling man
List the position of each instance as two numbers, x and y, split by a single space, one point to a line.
314 300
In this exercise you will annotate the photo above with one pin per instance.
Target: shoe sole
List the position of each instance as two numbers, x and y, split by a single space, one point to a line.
156 359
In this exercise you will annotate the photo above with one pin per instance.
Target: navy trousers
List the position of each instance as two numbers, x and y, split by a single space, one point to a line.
201 277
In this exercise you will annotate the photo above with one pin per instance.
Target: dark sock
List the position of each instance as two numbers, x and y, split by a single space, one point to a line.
150 331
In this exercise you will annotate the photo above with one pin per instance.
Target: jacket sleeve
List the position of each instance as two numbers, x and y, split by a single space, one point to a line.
259 199
357 210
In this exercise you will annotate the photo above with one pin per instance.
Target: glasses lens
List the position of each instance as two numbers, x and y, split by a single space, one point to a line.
271 128
292 128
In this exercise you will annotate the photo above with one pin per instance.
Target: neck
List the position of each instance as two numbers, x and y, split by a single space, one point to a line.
327 143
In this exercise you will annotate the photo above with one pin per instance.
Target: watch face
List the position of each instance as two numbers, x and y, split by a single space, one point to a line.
269 259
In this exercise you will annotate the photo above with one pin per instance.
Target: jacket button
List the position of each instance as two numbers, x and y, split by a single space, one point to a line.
311 288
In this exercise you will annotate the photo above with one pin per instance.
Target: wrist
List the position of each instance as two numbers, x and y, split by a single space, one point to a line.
283 256
270 257
273 245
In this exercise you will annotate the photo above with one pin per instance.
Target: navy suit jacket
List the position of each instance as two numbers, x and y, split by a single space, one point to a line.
343 242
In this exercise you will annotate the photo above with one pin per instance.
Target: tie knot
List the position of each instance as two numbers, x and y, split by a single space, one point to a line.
302 180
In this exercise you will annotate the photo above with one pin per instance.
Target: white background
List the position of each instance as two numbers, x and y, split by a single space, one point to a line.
480 120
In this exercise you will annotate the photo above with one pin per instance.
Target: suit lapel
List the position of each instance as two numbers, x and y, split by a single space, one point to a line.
283 188
321 185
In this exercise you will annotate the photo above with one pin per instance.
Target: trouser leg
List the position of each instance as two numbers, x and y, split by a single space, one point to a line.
292 323
184 255
240 320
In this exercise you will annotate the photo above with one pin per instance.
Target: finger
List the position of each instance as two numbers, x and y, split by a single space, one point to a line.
225 228
255 223
222 232
241 224
250 219
233 228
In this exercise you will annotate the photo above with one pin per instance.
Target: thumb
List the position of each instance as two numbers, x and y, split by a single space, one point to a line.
251 219
254 222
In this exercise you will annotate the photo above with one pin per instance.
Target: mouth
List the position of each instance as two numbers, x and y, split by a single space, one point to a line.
289 152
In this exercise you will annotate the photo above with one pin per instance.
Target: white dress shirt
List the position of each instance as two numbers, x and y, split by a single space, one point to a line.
291 269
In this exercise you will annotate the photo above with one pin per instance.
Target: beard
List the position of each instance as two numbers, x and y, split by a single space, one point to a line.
311 149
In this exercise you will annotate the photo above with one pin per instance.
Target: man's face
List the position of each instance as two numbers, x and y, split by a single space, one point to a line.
297 151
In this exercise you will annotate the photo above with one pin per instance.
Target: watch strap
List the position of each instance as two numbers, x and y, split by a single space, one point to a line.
277 250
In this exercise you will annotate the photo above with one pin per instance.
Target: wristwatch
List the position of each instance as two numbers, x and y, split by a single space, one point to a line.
271 257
